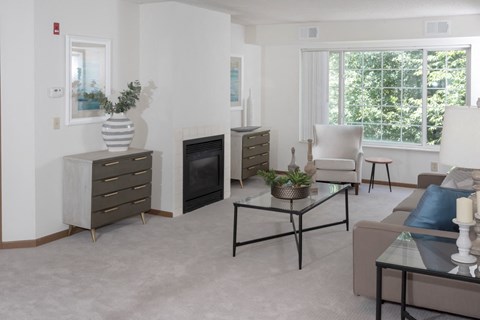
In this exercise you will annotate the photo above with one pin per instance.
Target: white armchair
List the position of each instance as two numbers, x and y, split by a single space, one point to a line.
337 153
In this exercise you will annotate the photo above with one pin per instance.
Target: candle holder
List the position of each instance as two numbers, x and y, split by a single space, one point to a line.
463 243
465 269
476 243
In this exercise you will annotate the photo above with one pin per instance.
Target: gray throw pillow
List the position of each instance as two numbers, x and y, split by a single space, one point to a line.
458 178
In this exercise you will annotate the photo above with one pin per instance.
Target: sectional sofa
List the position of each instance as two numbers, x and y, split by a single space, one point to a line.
371 238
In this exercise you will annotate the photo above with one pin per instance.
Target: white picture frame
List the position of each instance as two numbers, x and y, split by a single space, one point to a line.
236 82
88 77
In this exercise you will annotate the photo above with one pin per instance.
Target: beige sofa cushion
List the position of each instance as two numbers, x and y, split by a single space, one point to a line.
410 203
397 217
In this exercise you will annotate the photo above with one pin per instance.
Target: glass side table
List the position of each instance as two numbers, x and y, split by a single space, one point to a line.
423 254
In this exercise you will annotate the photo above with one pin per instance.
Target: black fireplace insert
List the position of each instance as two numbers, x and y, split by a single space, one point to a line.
202 172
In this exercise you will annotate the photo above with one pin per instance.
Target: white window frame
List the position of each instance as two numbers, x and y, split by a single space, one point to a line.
472 44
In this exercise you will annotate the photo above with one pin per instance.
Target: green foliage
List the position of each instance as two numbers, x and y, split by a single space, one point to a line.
126 100
269 176
292 178
383 92
298 178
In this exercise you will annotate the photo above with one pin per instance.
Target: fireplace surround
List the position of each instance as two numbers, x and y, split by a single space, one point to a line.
203 171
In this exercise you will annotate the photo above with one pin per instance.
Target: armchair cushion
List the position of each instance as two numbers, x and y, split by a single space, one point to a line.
335 164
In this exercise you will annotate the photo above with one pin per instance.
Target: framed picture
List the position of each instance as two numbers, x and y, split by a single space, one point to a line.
236 81
87 78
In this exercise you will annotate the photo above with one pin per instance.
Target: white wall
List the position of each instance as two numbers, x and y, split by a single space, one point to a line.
252 67
186 51
185 56
18 119
281 68
32 60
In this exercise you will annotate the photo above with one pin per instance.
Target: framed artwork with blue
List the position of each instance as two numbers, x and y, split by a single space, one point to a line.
236 81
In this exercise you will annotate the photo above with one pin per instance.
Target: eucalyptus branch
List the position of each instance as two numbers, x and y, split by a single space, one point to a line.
126 100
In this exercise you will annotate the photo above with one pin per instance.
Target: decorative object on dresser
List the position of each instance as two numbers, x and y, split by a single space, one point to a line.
293 166
310 169
460 137
118 130
250 152
100 188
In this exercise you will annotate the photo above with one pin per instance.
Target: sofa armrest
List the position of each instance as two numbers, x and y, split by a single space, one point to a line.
426 179
370 240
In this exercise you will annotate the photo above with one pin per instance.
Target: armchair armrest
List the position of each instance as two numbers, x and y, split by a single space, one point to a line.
359 165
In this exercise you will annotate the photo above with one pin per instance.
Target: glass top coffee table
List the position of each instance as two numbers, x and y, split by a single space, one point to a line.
265 201
423 254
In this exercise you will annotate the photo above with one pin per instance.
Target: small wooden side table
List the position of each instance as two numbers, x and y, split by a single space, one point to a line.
374 161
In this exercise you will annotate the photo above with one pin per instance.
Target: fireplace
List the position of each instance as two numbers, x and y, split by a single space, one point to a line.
202 172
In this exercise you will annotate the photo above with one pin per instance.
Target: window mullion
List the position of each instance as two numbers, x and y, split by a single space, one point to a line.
341 88
424 97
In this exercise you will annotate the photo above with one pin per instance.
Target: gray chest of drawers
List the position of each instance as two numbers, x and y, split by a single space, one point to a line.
250 153
102 187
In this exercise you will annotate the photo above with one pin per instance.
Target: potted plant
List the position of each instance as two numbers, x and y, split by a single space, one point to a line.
127 99
291 185
118 130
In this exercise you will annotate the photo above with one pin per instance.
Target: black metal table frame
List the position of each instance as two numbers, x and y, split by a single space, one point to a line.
403 306
297 233
371 183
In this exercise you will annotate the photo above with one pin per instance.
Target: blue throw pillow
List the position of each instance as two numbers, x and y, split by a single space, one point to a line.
436 209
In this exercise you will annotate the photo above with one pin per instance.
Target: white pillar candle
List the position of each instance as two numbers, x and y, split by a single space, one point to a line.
464 210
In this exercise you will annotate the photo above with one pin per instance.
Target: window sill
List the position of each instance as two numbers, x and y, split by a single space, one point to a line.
401 147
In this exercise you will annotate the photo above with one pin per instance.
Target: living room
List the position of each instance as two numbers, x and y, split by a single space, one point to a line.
171 47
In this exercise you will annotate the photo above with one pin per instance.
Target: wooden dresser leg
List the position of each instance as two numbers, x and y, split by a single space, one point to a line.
142 215
241 183
92 232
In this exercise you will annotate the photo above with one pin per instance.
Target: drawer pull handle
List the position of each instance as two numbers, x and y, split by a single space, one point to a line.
139 201
250 158
110 210
110 194
139 187
140 158
111 163
264 154
252 167
265 134
139 173
265 144
251 137
251 148
264 164
110 179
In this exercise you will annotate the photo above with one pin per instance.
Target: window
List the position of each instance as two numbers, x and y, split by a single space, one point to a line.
399 96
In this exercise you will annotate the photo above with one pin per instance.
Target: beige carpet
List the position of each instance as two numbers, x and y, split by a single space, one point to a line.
183 268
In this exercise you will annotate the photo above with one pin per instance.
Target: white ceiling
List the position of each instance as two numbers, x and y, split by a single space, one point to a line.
255 12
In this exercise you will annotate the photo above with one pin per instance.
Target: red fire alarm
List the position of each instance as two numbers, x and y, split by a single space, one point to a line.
56 28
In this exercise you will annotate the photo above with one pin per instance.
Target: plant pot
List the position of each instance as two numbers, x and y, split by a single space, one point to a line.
290 193
117 132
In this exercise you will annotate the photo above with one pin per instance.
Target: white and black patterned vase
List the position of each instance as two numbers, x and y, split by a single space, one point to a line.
118 132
